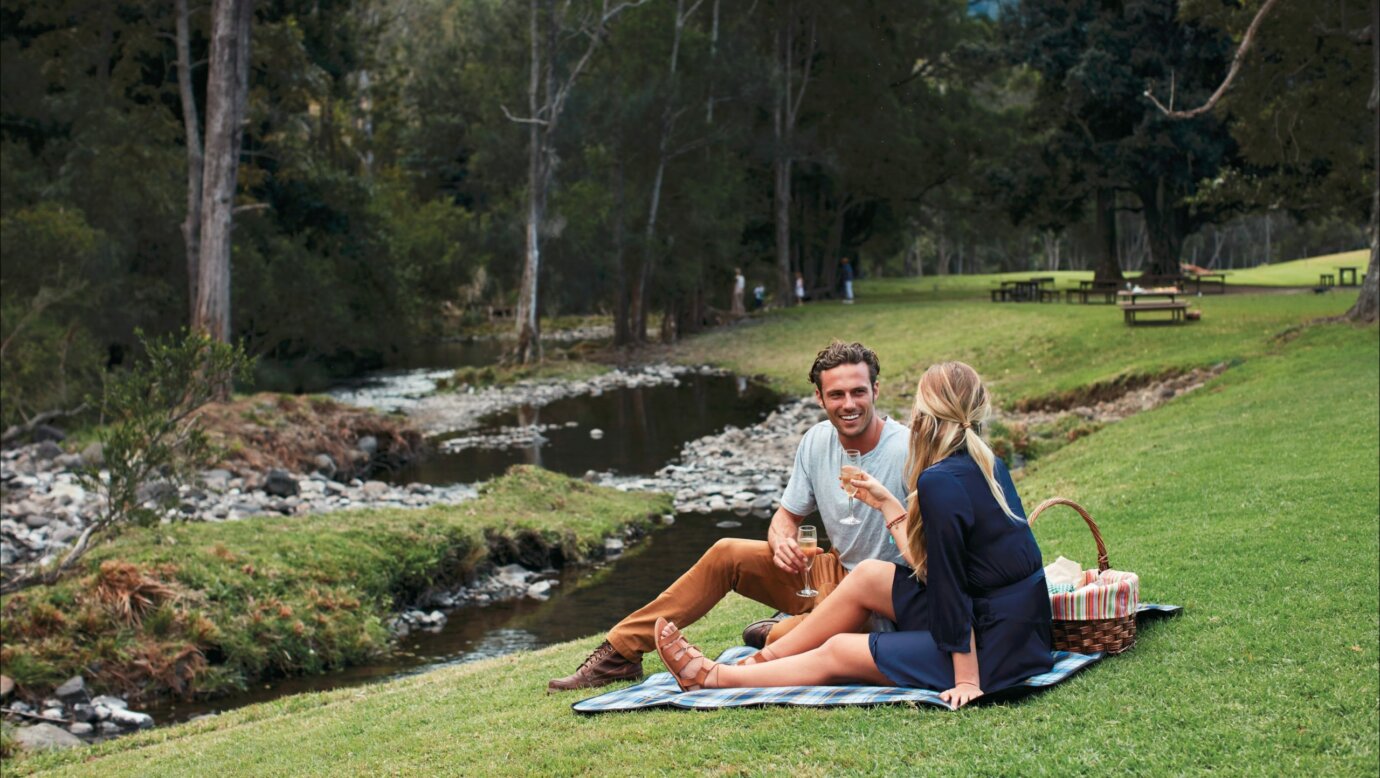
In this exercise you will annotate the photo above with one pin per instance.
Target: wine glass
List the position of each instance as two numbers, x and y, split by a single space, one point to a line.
852 466
808 540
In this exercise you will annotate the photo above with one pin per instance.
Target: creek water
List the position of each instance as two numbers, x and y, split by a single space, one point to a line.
643 429
586 601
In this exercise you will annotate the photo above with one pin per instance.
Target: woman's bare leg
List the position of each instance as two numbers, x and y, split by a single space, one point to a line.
864 591
841 659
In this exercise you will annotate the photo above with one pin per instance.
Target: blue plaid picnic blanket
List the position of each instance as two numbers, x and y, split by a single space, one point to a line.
660 690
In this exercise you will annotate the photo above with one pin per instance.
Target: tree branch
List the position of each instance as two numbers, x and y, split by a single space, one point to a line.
19 430
521 119
1231 73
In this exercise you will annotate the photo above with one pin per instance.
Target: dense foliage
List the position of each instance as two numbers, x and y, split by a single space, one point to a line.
385 167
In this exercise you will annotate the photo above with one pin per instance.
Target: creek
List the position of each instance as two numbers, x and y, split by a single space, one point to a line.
640 430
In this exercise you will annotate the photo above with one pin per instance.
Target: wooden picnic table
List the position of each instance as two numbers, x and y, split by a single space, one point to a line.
1345 273
1212 279
1135 297
1024 290
1135 303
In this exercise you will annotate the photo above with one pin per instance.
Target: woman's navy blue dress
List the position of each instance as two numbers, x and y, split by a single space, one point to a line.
985 574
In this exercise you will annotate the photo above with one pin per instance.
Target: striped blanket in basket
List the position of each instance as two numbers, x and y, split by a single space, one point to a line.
1109 594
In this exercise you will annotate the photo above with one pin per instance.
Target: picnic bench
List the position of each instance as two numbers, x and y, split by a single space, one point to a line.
1087 290
1025 290
1135 303
1346 276
1327 279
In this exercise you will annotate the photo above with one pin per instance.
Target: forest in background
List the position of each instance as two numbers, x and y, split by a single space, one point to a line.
387 176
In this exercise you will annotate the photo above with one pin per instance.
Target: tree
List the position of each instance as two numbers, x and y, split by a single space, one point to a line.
546 101
1094 60
227 95
1306 68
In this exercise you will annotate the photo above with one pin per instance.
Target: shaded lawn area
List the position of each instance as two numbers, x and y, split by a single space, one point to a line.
1252 502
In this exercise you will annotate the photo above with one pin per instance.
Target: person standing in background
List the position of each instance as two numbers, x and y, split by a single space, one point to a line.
799 289
847 276
739 286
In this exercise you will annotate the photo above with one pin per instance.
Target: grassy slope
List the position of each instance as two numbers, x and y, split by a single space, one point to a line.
1024 350
1301 272
1252 502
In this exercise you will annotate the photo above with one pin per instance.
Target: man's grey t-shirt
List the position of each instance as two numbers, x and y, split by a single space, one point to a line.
815 484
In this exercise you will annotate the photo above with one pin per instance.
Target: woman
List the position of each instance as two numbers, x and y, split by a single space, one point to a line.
972 610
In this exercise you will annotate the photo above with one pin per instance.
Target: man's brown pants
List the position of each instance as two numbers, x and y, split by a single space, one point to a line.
730 565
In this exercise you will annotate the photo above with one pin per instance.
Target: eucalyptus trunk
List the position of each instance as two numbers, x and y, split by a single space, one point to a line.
1367 306
191 121
227 94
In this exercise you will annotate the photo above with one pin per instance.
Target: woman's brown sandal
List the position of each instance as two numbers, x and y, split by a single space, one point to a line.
762 655
688 665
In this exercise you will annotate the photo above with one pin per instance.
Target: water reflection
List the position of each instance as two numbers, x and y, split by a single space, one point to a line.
643 429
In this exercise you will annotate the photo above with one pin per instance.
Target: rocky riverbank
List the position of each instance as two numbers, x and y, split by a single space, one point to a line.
71 717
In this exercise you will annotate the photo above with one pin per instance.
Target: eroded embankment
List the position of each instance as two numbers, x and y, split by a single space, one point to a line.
195 608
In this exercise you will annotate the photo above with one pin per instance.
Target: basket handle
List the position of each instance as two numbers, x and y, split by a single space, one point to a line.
1102 563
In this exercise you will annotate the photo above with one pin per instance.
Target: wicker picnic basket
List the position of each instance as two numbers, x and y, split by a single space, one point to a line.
1076 626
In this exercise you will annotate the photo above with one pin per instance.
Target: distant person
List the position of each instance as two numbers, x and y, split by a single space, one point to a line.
799 289
846 273
739 286
770 571
970 602
759 297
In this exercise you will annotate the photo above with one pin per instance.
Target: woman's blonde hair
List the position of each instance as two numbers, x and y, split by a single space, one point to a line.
951 407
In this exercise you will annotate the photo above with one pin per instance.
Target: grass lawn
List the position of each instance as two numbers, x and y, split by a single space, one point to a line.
1252 502
1023 350
1301 272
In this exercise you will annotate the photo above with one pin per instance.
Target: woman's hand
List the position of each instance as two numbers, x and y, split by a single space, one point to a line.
961 695
870 492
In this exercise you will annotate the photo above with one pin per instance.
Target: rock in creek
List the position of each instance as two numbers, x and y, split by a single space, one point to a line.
45 737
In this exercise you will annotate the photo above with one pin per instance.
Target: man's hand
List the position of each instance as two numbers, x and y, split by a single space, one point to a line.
785 552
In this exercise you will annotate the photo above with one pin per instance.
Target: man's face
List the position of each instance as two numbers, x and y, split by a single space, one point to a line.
847 395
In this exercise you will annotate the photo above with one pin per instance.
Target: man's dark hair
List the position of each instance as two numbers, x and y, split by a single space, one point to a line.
840 353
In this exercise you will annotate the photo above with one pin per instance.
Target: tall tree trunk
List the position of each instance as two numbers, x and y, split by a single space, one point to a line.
785 111
1367 305
1108 266
227 93
1163 225
668 123
622 330
782 180
191 121
528 323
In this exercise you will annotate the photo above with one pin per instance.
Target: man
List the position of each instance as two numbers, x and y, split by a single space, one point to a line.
739 285
845 379
847 275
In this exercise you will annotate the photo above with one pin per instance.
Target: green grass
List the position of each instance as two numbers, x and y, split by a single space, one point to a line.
1300 272
226 604
1252 502
1024 351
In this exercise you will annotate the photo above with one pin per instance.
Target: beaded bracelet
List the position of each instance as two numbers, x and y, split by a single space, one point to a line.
892 524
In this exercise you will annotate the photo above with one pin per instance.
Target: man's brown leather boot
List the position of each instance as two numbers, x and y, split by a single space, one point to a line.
603 667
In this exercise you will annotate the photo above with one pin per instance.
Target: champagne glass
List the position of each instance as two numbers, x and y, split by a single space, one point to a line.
808 540
852 466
